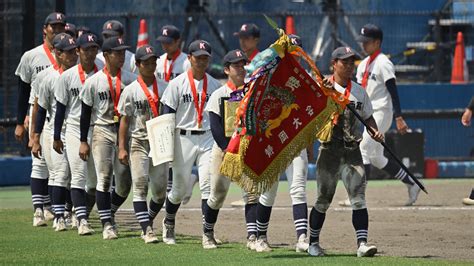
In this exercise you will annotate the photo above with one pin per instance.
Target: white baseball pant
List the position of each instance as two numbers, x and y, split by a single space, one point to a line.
82 173
60 165
39 167
187 150
297 174
371 150
143 171
104 152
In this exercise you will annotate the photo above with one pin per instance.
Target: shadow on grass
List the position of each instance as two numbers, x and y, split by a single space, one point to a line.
305 255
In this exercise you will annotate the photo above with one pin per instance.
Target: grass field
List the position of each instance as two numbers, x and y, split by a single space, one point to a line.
20 243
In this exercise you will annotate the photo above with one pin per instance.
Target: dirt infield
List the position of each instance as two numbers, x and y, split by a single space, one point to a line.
438 226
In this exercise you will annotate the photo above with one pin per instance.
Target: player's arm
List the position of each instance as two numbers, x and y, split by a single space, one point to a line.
22 108
58 145
40 119
84 124
33 122
467 115
122 141
397 113
217 130
377 136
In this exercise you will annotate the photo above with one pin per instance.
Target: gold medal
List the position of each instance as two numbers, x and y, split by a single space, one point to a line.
116 118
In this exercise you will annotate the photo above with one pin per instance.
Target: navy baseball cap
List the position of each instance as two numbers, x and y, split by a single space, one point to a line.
55 18
370 32
342 52
87 40
235 56
115 44
64 42
82 29
168 34
200 47
145 52
70 29
112 28
248 30
295 40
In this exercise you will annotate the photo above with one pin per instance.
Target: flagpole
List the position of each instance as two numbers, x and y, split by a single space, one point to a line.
371 131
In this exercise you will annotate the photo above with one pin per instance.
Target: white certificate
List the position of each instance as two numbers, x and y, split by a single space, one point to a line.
161 138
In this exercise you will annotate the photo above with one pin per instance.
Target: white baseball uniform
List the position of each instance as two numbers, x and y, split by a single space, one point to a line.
96 93
32 63
59 163
134 105
380 71
192 143
128 64
67 92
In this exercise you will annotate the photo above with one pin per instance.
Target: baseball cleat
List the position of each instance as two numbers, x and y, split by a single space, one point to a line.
302 244
38 218
60 225
251 242
169 237
238 203
109 232
345 203
316 250
75 222
413 192
149 236
366 251
208 241
68 220
84 228
48 214
262 244
468 201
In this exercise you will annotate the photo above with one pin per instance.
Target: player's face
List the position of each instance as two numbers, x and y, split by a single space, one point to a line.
147 67
67 58
248 43
344 67
236 72
87 55
115 58
51 30
371 46
200 62
172 47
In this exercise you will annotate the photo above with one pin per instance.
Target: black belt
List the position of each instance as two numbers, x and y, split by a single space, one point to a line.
193 132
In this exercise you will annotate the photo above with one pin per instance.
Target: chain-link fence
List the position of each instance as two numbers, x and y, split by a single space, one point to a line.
420 42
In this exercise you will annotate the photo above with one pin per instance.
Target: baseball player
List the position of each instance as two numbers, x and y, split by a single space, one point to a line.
70 29
234 62
249 37
376 75
168 66
100 98
68 106
31 64
341 158
113 28
65 53
187 95
466 121
139 103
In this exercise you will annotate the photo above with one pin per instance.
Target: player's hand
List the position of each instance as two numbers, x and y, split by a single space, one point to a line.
31 141
123 156
377 136
84 150
328 83
402 126
466 118
58 146
36 148
26 123
20 132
